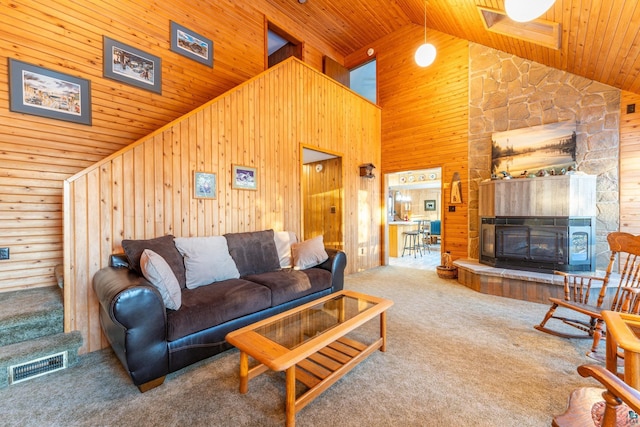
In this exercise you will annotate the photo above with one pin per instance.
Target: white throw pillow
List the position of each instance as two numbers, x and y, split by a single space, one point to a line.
309 253
206 260
284 240
158 272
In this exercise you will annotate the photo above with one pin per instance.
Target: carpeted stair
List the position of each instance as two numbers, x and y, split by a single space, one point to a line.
31 327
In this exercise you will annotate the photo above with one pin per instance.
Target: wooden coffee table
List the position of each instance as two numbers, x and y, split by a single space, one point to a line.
309 343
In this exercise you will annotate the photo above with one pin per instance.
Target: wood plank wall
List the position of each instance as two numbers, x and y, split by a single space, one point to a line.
630 164
146 189
38 154
425 116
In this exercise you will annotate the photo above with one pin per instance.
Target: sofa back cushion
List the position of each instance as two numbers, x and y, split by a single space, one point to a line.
163 246
254 252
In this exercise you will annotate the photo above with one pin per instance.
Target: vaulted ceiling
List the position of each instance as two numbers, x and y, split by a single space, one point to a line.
600 39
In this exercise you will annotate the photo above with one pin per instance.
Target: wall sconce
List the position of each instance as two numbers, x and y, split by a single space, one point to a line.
366 170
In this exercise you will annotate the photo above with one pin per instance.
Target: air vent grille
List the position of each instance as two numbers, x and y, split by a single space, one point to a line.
37 367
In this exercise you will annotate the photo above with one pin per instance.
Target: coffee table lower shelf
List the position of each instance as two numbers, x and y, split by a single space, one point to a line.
317 372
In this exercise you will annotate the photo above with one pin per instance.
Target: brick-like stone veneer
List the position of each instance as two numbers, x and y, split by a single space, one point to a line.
507 92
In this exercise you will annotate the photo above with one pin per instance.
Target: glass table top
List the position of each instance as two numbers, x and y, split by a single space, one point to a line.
297 328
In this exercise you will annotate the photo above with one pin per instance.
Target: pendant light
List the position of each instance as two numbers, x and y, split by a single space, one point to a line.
526 10
426 53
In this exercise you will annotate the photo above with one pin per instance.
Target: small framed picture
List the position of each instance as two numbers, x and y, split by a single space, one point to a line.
244 178
132 66
42 92
191 44
204 185
429 205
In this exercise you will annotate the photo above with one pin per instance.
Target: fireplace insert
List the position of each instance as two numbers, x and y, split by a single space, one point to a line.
543 244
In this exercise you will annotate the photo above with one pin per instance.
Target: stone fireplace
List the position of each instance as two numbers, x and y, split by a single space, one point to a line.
507 93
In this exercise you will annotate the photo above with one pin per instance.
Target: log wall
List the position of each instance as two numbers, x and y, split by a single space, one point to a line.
38 154
147 189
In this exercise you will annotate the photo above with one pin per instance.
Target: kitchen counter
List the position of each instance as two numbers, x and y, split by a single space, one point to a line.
396 238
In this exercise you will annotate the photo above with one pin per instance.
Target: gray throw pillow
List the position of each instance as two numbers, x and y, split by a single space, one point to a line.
206 260
156 270
309 253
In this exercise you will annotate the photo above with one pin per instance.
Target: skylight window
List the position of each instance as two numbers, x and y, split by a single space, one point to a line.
539 31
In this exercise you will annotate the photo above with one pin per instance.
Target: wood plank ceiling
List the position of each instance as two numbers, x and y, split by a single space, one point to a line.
600 38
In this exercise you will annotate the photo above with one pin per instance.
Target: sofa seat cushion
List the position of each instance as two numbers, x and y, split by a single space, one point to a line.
214 304
287 285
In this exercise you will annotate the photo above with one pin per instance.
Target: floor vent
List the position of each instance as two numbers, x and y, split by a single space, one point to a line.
38 367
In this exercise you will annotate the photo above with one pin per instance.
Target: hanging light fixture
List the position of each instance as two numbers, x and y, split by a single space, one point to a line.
526 10
426 53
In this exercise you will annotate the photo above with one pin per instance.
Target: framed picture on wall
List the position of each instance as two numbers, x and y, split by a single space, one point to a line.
191 44
132 66
204 185
244 178
42 92
429 205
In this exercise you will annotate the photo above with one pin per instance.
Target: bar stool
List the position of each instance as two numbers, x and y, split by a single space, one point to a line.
412 242
424 227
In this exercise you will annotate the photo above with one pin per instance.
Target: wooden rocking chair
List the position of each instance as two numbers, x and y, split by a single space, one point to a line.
580 292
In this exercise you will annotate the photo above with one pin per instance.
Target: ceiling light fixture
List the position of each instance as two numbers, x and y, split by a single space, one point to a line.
426 53
526 10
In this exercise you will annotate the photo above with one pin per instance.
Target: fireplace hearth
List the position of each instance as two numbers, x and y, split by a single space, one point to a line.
539 224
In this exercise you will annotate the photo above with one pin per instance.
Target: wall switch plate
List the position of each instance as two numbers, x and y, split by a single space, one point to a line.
4 253
452 208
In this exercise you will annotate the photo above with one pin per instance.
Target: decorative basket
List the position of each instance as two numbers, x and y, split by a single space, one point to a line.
447 272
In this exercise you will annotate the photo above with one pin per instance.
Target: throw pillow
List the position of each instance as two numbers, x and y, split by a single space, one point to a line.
156 270
283 240
309 253
163 246
625 416
206 260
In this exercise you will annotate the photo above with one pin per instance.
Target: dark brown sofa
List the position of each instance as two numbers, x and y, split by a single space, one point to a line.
152 341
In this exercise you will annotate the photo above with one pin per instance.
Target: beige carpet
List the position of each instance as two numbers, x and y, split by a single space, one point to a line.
455 358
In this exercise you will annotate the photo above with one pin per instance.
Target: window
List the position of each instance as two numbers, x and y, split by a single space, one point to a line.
363 80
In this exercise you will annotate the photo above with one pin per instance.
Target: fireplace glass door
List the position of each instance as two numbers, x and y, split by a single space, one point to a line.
543 244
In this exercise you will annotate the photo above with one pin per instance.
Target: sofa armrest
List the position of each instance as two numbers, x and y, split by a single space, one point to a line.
133 318
335 264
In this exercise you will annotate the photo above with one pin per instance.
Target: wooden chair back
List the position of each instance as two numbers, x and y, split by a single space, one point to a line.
626 247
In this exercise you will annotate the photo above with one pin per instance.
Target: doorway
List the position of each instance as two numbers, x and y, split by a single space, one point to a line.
413 201
322 197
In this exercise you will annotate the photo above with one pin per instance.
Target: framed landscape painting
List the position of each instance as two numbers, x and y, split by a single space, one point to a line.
244 178
42 92
132 66
527 150
191 44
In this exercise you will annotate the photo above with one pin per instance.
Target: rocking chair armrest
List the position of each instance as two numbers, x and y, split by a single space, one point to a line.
583 281
613 384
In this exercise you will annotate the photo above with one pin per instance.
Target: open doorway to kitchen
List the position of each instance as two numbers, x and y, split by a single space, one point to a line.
322 197
413 203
